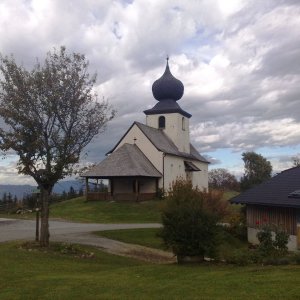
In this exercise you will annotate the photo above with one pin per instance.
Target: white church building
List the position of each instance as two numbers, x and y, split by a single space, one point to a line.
149 157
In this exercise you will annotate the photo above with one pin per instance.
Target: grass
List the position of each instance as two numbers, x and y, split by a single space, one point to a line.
107 212
38 275
144 236
149 237
79 210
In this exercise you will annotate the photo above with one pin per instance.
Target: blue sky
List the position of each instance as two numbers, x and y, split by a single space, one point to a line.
238 61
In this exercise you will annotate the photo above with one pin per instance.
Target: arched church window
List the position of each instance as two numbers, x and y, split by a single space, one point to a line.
161 122
183 123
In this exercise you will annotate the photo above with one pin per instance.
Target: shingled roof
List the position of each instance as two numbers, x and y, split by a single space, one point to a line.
277 191
126 161
163 143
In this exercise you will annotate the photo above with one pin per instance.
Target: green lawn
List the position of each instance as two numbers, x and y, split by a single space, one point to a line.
143 236
149 237
39 275
107 212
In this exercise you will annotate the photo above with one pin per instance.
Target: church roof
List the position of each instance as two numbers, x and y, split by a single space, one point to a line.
126 161
163 143
280 190
167 90
166 107
167 86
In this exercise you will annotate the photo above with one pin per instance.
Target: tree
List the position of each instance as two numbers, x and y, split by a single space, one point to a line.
72 193
51 114
296 161
190 220
257 170
222 179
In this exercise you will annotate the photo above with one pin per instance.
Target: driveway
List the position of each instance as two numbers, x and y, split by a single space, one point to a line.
71 232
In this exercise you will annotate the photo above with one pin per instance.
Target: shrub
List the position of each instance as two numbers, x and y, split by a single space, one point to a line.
237 226
275 247
296 258
239 257
265 241
190 220
281 241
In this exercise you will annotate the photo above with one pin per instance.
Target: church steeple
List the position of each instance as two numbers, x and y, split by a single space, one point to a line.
167 115
167 90
167 87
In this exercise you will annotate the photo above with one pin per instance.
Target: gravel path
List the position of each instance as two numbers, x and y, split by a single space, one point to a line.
80 233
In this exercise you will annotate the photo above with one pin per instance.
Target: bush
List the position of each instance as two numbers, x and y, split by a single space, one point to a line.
239 257
296 258
190 220
264 237
268 246
237 226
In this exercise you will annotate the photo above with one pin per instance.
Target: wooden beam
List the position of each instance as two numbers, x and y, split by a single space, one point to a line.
86 188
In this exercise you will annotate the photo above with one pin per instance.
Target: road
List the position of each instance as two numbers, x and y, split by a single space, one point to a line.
81 233
13 229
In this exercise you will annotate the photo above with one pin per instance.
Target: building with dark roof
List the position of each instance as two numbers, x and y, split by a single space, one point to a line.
150 157
276 201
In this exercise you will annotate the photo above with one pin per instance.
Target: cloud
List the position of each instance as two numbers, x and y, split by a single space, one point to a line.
237 59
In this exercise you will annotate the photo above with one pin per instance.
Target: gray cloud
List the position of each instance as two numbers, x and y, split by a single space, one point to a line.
239 63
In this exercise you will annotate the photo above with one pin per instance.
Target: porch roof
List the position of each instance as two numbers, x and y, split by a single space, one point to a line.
127 161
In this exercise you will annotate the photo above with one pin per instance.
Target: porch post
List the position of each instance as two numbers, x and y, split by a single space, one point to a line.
111 183
136 190
86 188
298 228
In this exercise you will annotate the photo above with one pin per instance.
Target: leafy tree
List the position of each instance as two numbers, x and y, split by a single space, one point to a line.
72 193
190 220
296 161
257 170
222 179
51 114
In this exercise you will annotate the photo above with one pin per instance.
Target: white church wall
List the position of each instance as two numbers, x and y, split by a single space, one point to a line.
135 135
200 178
177 129
175 169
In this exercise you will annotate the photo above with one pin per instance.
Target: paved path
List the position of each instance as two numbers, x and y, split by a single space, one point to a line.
12 229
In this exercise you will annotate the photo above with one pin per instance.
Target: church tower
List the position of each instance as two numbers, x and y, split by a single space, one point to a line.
167 115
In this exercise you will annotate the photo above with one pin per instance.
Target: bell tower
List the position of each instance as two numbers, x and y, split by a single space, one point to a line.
167 115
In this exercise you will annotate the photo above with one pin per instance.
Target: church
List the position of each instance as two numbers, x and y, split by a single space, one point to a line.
149 157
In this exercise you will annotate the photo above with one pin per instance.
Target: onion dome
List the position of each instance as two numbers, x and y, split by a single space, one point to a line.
167 87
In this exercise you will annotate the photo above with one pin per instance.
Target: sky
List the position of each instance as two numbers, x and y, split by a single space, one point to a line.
238 60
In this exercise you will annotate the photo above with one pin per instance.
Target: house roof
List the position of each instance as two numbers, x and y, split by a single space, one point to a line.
126 161
277 191
163 143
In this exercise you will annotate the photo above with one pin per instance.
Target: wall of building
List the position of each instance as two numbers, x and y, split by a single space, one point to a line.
175 169
200 178
126 185
260 215
252 238
122 185
175 129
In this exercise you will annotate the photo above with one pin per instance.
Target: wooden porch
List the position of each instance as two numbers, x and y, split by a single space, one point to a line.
134 189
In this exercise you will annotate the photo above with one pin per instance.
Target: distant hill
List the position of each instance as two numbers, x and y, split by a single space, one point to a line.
21 190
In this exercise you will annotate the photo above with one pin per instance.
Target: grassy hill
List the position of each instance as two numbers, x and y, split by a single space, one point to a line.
106 212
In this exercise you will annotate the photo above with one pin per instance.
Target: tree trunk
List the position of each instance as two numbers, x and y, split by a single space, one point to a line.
44 232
